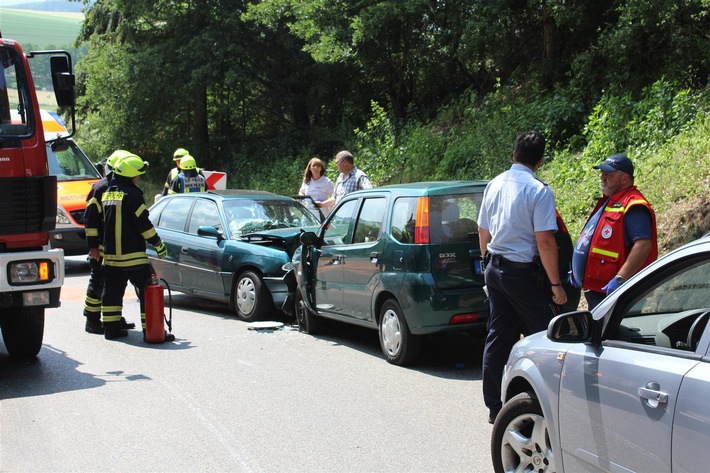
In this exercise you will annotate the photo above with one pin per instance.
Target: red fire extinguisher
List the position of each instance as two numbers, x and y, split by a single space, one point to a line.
155 313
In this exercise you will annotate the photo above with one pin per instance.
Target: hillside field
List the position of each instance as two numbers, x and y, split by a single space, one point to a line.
43 29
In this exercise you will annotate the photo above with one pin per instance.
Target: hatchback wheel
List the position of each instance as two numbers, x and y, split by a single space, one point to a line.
250 298
520 439
398 344
307 321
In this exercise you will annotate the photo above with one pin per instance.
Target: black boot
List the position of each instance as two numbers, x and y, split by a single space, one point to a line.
113 330
127 325
93 324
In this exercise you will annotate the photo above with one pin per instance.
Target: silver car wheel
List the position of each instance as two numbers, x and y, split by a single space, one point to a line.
526 443
246 295
391 333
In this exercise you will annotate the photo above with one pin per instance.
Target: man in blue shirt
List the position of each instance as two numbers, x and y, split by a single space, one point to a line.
517 224
619 238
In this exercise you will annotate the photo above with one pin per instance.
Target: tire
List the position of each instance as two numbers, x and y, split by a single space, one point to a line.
398 345
307 321
250 298
520 439
23 331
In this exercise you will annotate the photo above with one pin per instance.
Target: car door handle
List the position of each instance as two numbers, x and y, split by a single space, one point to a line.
183 250
373 257
653 394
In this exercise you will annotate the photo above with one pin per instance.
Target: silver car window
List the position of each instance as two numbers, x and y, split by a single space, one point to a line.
664 314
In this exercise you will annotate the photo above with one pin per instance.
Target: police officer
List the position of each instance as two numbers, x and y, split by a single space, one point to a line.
188 179
517 223
126 230
93 225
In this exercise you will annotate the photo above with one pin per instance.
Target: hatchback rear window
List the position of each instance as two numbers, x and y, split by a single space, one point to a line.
452 218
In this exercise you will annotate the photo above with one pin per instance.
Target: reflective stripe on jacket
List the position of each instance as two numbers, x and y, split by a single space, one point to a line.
126 225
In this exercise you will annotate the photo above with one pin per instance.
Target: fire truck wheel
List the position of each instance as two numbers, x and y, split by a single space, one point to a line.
23 331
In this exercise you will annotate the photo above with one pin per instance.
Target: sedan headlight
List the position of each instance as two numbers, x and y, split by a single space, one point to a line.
287 267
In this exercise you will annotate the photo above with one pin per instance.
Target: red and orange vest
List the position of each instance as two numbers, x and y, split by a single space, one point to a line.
607 250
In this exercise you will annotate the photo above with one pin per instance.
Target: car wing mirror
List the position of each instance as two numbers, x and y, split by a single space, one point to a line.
208 231
571 327
309 238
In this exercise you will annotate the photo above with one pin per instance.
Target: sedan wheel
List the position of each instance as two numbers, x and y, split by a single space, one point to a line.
398 345
520 439
307 320
250 298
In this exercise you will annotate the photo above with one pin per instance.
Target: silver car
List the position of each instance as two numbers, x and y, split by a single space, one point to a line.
624 388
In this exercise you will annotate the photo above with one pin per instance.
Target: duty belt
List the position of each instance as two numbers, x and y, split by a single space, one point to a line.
501 262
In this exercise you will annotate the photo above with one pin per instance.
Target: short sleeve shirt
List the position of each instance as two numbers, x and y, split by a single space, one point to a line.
515 206
319 190
354 181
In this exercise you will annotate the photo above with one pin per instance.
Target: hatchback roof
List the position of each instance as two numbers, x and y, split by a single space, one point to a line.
427 187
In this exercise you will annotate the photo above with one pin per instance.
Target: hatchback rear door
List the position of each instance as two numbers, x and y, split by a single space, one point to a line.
455 252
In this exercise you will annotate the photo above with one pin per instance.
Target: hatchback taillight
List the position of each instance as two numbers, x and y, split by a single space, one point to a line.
421 229
468 318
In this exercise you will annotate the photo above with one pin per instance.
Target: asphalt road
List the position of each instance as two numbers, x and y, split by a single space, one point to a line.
223 397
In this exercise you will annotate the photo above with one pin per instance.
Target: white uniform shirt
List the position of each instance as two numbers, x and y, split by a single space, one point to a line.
516 205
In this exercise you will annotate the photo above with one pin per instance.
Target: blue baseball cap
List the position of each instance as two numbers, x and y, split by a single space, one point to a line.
617 162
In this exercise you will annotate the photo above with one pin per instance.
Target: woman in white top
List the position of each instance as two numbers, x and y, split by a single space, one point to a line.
316 184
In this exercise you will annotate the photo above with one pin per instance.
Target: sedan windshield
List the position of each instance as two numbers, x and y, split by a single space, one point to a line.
252 215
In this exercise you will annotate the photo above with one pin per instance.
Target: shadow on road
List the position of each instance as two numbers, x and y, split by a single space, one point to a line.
51 373
453 355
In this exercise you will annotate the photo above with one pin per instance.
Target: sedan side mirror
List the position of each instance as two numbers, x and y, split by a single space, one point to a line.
208 231
571 327
309 238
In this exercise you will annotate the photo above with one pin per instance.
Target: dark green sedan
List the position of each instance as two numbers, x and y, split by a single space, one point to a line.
232 246
402 259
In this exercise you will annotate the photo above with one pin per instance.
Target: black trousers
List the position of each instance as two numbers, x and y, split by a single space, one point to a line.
517 306
92 302
115 282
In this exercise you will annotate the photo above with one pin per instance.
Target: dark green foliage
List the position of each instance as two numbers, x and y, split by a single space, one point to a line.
415 89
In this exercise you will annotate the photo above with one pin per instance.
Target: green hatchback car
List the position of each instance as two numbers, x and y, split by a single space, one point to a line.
403 259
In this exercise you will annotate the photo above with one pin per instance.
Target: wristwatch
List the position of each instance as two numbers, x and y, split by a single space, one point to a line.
619 278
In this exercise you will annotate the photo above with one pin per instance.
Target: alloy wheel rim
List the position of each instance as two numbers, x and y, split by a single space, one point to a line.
526 445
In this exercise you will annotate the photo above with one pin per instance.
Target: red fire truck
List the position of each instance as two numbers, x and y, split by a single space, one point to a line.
31 273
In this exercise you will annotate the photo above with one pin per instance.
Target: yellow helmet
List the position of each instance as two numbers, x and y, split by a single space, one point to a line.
115 156
130 166
179 153
187 162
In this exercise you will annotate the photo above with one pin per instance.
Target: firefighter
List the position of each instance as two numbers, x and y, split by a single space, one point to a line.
126 231
177 156
93 224
188 179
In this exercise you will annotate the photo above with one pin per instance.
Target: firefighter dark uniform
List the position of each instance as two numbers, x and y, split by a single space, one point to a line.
188 179
126 231
93 224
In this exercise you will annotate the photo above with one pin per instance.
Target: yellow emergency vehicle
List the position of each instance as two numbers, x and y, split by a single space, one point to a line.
75 175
